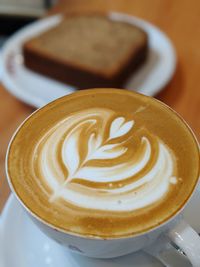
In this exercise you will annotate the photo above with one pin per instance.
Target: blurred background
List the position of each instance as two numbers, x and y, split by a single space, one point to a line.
178 19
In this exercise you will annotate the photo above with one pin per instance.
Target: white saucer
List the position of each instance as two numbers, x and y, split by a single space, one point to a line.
22 242
37 90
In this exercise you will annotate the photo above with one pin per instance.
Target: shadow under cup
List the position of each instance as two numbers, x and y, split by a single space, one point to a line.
98 246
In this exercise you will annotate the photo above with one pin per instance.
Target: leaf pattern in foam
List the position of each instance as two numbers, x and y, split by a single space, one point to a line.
109 151
119 127
96 150
117 172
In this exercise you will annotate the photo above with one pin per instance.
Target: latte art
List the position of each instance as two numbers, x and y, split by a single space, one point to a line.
104 163
98 159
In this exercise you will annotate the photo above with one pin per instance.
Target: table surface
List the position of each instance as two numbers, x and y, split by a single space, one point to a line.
179 19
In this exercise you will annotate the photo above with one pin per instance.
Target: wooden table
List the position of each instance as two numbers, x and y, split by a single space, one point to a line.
179 19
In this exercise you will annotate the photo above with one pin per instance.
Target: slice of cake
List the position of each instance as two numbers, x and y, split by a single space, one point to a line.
88 51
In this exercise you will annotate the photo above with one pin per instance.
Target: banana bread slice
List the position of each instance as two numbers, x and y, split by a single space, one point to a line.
87 51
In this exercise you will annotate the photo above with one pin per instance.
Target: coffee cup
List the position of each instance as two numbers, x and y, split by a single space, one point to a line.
106 172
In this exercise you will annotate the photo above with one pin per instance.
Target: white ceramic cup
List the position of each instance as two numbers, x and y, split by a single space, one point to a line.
154 241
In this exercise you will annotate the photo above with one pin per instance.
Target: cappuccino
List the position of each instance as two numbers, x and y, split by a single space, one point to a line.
104 163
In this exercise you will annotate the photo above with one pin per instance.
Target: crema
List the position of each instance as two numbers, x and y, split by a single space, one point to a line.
104 162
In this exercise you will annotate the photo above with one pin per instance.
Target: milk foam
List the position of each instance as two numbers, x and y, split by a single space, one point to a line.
88 160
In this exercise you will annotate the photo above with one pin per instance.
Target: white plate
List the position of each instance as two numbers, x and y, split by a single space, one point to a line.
37 90
22 242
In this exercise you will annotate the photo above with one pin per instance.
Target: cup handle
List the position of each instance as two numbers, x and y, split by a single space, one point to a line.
184 237
166 253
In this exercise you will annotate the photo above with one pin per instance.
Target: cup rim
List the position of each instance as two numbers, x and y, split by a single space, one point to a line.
90 236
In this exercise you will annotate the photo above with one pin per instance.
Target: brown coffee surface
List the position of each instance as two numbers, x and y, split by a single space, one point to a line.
104 163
